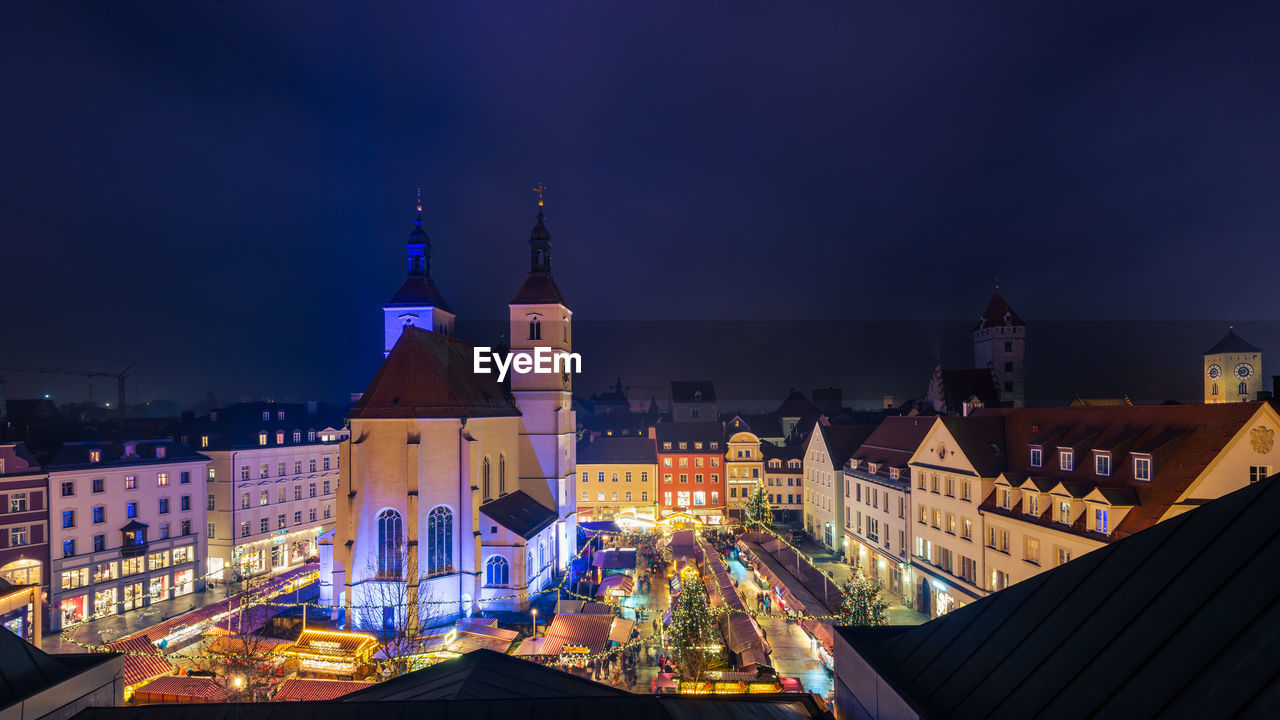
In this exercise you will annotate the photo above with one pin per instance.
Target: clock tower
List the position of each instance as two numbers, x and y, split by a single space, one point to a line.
1232 370
540 318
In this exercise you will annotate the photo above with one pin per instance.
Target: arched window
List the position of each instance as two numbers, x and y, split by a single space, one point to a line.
496 572
484 479
502 474
439 540
535 328
1243 388
390 545
528 567
541 560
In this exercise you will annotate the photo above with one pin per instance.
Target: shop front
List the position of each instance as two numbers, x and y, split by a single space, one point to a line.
104 603
73 610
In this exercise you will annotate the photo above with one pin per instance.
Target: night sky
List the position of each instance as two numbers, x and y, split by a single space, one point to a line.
221 190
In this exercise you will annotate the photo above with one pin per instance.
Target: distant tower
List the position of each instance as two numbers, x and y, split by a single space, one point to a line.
1000 342
418 302
540 318
1232 370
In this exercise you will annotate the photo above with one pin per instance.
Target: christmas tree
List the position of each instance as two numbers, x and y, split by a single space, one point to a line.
758 513
692 630
862 604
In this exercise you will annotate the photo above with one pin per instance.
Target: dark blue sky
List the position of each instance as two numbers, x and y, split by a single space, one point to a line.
220 190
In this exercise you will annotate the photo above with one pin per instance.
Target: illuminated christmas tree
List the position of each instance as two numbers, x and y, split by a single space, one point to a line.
693 633
862 604
758 513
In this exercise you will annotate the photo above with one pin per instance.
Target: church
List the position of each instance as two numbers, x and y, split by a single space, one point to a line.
456 491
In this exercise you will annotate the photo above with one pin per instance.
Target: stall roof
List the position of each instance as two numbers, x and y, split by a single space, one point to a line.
193 689
296 690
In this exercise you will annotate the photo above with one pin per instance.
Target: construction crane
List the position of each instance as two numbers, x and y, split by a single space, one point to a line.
91 374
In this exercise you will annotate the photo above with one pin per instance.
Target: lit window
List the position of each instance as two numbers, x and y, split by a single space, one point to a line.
1102 464
1142 468
1037 456
1066 459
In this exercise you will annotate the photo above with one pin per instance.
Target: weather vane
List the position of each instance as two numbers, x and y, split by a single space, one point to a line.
540 188
419 204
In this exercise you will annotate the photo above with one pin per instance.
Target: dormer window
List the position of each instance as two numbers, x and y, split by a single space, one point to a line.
130 449
266 415
1032 505
697 396
160 450
1100 520
697 446
279 437
213 416
872 468
1066 459
95 456
1064 512
684 446
1037 456
1142 468
297 436
715 445
280 415
262 438
1005 498
894 473
1102 463
204 441
311 436
666 446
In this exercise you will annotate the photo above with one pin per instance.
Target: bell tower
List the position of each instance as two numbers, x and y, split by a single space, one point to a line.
1232 370
418 302
540 318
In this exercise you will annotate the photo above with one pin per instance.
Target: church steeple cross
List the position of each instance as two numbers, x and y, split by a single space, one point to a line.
540 188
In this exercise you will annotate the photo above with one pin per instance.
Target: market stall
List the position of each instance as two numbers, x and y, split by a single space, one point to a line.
332 653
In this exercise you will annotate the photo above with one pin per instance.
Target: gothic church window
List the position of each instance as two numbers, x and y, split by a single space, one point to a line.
439 539
496 571
390 544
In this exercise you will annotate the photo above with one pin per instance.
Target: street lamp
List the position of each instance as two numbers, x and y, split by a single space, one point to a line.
535 622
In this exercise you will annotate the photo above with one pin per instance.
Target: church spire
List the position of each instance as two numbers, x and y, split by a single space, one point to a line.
419 246
540 239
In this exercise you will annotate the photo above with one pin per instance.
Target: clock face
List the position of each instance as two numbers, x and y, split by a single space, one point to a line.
1244 371
1215 371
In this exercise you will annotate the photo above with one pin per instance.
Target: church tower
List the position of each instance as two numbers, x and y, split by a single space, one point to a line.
540 318
1232 370
418 302
1000 343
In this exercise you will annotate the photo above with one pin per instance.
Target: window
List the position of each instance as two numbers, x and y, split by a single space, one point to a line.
600 496
18 536
1005 498
666 499
311 490
496 572
244 528
297 492
439 539
68 518
965 491
186 527
68 548
1033 504
715 497
280 467
262 438
1100 520
263 524
184 478
484 480
311 436
99 543
68 489
535 328
95 456
325 487
97 485
502 474
311 515
1031 550
164 506
264 497
1244 389
162 479
244 472
264 471
628 496
99 515
131 510
312 465
204 441
209 532
644 496
244 500
969 569
586 495
1064 556
297 517
1066 459
644 476
17 502
186 502
1064 512
326 463
1258 472
1142 468
966 529
1102 464
280 522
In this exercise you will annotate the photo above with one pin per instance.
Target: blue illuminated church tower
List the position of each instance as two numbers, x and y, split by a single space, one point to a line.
418 302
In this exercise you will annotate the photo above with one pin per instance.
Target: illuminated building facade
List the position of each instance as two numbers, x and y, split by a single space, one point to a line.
272 479
24 533
691 466
744 467
1232 370
784 481
618 475
125 520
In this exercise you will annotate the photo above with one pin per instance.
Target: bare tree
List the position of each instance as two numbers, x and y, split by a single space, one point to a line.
246 661
398 610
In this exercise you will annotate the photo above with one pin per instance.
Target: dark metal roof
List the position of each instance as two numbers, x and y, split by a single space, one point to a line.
26 670
237 426
519 513
1232 343
706 431
684 391
429 375
1180 620
610 449
76 455
998 312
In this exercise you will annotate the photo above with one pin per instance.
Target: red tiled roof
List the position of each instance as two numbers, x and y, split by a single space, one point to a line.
308 690
142 660
538 289
1181 439
429 375
893 442
419 290
998 313
195 688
